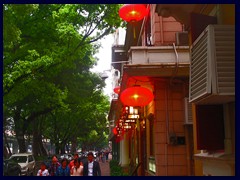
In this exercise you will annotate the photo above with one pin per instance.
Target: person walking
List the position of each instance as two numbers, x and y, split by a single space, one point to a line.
43 171
71 164
106 154
103 157
63 170
54 166
91 167
77 169
98 156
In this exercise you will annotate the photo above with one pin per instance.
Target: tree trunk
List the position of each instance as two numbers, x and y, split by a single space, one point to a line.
67 147
38 148
7 151
57 148
74 145
21 142
62 147
41 147
62 150
19 129
35 149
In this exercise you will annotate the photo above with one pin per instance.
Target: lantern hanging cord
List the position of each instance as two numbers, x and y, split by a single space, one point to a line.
133 24
134 33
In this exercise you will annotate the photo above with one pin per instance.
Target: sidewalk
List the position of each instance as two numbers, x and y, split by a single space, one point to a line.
105 168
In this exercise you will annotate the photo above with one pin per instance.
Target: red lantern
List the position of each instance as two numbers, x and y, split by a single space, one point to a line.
115 131
117 89
136 96
132 12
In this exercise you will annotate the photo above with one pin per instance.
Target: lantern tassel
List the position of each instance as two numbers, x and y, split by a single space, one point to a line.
134 32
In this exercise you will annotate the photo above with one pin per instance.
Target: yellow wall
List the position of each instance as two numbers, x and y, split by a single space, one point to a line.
227 14
197 163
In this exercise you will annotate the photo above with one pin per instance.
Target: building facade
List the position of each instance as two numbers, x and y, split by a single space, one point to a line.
184 54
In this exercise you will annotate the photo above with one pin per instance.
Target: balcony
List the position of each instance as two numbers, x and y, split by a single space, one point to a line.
161 61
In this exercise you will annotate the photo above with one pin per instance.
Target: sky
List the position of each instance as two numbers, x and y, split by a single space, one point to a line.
105 58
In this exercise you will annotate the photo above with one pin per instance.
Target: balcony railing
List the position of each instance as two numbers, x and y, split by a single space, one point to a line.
159 55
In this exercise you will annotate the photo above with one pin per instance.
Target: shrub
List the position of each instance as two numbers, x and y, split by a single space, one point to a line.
116 169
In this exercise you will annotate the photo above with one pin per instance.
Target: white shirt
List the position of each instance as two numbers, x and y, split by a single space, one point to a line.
78 171
90 168
43 173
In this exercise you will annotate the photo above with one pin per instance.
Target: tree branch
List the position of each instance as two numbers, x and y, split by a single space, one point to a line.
101 36
39 113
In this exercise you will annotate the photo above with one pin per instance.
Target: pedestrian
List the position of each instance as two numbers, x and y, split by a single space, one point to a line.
91 167
54 166
107 153
43 171
63 169
77 169
103 157
98 156
71 164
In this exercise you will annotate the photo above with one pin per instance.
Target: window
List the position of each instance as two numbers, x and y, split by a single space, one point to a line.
30 158
210 127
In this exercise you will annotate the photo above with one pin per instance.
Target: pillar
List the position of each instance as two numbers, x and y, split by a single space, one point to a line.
124 151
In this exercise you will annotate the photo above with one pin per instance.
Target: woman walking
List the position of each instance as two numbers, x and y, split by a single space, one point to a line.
77 169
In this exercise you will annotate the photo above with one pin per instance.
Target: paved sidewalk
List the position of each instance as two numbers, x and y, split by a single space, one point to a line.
105 168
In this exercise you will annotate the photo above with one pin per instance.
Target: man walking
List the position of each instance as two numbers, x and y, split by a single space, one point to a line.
91 167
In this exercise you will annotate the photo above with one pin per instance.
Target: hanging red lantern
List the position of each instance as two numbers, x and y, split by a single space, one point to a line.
132 12
115 131
136 96
117 89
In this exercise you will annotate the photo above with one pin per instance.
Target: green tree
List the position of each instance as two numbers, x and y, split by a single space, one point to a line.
48 52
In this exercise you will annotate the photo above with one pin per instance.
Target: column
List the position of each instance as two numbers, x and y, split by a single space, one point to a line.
124 151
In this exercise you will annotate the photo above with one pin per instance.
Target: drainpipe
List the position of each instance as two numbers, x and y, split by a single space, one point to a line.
171 82
176 64
167 131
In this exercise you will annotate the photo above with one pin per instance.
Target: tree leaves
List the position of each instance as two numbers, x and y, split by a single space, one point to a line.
48 52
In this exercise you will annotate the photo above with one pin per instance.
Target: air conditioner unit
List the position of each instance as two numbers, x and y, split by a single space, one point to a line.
182 38
188 111
212 66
